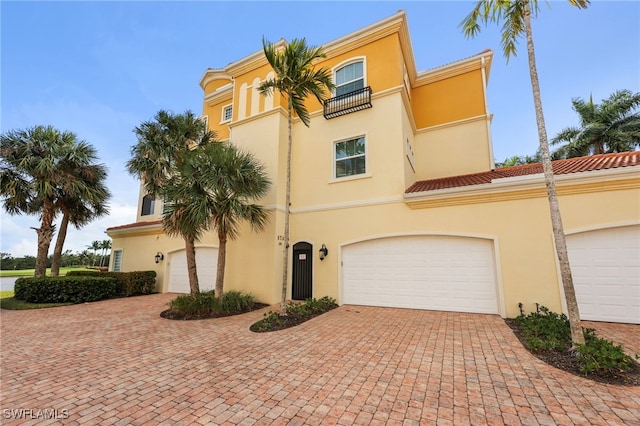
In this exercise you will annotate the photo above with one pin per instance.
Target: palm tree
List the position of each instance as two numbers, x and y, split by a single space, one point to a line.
518 160
35 168
516 15
296 79
81 208
105 245
95 246
214 187
612 126
232 178
163 154
84 256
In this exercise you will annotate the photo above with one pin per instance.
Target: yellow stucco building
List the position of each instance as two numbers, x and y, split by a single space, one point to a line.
395 178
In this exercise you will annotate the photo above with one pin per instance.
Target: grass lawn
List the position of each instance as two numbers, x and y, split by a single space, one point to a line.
6 293
30 272
16 305
8 302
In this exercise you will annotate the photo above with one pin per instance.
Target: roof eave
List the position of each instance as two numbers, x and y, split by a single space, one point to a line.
516 183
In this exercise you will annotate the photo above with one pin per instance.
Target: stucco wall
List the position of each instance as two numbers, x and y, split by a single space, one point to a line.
520 228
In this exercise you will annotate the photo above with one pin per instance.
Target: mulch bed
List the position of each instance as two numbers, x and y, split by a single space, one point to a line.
174 315
286 322
568 362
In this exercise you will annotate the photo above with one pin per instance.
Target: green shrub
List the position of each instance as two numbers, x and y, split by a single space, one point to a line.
270 321
310 307
235 302
296 313
64 289
544 330
602 356
127 283
205 303
86 273
194 304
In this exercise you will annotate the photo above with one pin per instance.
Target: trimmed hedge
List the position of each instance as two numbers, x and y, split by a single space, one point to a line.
127 283
64 289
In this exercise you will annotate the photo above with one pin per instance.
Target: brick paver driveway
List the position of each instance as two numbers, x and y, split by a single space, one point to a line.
118 362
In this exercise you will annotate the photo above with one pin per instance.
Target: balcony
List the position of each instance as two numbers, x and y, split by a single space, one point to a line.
347 103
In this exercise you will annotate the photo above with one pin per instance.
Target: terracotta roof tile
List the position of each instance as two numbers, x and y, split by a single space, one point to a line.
134 225
560 167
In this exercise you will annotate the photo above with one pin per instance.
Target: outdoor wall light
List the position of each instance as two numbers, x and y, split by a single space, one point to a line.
159 257
323 252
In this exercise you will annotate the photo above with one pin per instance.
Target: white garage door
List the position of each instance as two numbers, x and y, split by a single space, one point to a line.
422 272
606 273
206 262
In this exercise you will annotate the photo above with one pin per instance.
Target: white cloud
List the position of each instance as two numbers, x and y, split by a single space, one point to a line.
16 235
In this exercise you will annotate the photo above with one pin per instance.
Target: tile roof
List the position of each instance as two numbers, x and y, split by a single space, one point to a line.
560 167
134 225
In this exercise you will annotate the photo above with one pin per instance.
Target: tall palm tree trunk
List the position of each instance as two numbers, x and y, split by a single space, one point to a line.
577 335
190 250
287 209
222 258
45 235
57 251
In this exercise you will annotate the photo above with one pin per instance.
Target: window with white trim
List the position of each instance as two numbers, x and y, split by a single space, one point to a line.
349 78
227 113
117 260
350 157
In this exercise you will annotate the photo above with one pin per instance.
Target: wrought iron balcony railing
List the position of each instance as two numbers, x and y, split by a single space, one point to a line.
347 103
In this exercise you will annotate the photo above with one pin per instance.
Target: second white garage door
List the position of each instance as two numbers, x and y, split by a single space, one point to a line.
605 264
421 272
206 262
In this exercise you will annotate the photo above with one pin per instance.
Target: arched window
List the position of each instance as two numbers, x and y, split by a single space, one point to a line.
349 78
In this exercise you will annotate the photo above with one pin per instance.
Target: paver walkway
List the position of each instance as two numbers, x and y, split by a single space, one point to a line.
118 362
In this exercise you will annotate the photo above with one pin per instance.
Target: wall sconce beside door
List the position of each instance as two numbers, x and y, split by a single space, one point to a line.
159 257
323 252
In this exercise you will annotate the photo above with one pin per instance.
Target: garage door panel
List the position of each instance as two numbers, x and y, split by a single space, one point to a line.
606 270
206 264
423 272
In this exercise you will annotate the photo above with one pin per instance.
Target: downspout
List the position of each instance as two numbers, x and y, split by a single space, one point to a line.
486 110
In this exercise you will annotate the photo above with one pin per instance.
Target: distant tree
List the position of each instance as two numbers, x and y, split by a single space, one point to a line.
611 126
85 257
518 160
515 16
34 169
296 79
95 246
66 259
105 246
159 159
6 261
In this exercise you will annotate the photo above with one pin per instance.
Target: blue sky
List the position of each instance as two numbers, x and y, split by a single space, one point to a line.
100 68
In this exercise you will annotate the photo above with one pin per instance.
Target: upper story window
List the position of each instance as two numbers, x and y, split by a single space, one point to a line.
352 93
227 113
350 157
349 78
148 205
